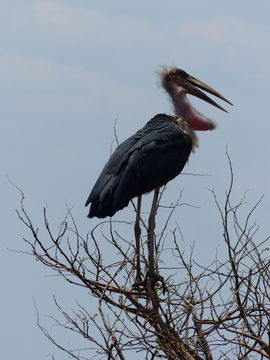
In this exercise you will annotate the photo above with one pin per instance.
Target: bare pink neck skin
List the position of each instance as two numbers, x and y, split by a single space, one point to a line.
183 108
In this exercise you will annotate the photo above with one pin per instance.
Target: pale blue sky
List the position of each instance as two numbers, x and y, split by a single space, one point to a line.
68 69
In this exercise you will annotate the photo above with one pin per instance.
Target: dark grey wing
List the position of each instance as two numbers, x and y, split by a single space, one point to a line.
147 160
113 166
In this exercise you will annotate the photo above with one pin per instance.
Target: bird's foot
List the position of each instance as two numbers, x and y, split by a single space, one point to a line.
139 283
155 278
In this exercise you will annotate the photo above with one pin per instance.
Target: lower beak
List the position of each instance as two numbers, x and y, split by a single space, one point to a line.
192 86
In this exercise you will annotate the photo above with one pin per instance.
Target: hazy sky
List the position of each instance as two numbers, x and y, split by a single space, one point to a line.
68 69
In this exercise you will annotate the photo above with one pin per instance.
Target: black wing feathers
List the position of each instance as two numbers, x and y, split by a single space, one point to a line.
147 160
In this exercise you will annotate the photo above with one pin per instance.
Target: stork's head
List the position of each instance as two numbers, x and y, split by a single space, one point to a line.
178 83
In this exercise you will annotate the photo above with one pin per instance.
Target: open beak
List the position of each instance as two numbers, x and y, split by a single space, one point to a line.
191 86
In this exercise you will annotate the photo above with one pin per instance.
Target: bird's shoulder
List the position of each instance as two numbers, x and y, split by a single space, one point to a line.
160 135
165 125
160 129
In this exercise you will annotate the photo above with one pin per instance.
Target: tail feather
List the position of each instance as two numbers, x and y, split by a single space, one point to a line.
106 203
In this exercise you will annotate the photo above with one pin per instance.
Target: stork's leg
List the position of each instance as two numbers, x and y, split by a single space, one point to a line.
137 232
151 234
152 265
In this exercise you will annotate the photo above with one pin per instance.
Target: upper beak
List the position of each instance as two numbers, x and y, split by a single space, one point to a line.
191 89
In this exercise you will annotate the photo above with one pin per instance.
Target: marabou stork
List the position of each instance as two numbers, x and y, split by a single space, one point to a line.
155 154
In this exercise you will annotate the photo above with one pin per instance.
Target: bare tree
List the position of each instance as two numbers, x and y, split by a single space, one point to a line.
219 311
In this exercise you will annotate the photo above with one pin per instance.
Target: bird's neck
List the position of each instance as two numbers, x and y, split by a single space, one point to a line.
183 108
187 129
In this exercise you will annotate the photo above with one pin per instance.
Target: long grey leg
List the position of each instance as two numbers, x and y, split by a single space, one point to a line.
137 232
152 264
151 234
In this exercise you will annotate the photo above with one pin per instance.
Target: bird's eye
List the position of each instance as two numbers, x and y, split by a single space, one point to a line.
181 73
172 74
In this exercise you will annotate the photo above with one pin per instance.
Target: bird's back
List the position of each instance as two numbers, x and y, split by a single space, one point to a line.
149 159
